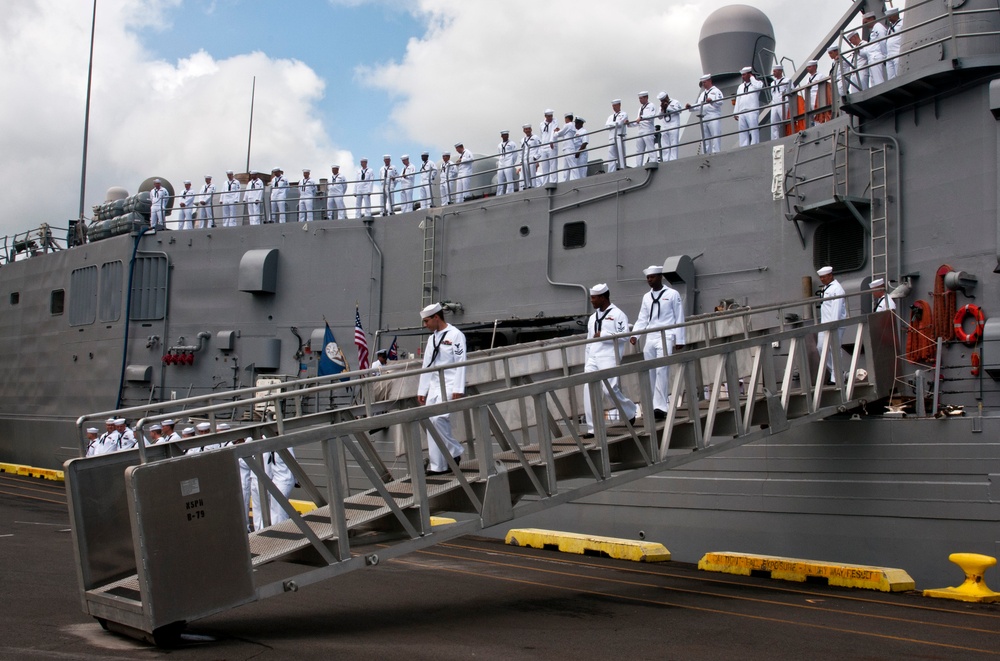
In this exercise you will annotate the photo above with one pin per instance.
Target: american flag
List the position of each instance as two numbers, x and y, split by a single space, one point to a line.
360 341
393 350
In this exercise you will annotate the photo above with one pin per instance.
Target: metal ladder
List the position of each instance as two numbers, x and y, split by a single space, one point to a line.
841 164
427 289
879 214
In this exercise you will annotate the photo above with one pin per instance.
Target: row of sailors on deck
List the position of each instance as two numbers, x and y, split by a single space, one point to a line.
119 437
864 64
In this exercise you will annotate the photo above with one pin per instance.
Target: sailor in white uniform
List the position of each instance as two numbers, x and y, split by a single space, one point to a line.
169 435
617 124
108 441
607 319
276 469
661 306
307 196
205 202
335 192
882 300
387 174
748 107
185 205
463 175
779 88
893 43
157 205
670 126
279 195
428 174
580 142
709 110
94 445
404 184
448 174
831 310
859 63
546 155
645 145
876 49
230 201
445 346
530 156
363 190
126 437
254 196
562 143
507 153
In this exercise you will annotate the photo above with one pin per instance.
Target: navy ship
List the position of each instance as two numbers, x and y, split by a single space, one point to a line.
897 180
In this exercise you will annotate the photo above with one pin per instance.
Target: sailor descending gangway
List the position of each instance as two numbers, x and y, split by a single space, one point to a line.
160 537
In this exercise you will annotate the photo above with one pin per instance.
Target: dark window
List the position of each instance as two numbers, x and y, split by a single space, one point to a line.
840 244
575 235
15 297
111 291
149 288
83 296
57 301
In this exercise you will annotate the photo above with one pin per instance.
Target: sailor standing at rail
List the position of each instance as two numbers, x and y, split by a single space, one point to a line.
580 142
279 195
335 192
448 172
670 118
607 319
428 177
893 42
530 155
388 174
404 185
882 301
307 196
186 205
617 124
506 161
779 88
363 191
157 205
645 145
463 173
205 201
875 51
445 346
661 306
747 104
546 156
562 143
255 193
832 309
230 201
709 111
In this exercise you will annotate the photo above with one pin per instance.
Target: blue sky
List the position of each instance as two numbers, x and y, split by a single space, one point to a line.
336 80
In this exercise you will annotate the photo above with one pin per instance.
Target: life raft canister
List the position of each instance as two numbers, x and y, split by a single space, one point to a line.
977 331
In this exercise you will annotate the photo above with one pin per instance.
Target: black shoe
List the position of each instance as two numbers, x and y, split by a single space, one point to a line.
458 460
631 421
587 435
431 473
659 414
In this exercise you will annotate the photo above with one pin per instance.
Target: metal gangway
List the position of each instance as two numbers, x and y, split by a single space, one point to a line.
161 537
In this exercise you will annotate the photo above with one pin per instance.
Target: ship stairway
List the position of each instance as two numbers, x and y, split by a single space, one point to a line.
427 289
161 537
879 215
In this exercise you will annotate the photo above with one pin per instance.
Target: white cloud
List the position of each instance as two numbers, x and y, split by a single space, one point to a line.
481 67
148 117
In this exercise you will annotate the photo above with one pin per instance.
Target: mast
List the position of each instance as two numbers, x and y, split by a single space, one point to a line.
253 91
86 114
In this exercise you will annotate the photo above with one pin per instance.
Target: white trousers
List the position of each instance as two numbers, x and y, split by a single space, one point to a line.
187 219
442 423
424 197
156 217
279 210
229 215
335 207
253 210
670 138
749 133
713 135
659 378
505 180
627 404
279 473
616 153
363 204
206 214
305 209
645 148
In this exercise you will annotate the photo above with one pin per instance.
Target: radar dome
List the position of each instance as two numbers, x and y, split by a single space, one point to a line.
734 37
115 193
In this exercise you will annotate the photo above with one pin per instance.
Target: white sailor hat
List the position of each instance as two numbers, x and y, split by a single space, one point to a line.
92 430
826 270
430 310
186 181
229 171
877 282
405 157
119 421
385 156
580 119
833 49
305 170
569 115
156 181
203 426
458 144
364 160
222 427
275 169
334 166
548 111
208 176
156 427
892 11
187 431
599 289
652 270
505 132
643 93
746 70
169 422
661 96
614 101
109 421
778 67
707 76
425 153
525 126
812 63
446 153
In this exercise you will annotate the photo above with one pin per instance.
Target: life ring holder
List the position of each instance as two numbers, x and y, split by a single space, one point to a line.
970 339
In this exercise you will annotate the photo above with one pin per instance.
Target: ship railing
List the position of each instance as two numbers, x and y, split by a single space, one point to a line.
39 241
136 513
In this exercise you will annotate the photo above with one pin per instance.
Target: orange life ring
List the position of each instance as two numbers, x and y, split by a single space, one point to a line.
976 362
977 332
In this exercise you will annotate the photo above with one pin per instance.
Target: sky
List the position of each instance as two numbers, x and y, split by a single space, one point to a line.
336 80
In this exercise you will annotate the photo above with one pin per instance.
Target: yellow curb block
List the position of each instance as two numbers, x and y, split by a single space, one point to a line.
31 471
442 520
884 579
302 506
568 542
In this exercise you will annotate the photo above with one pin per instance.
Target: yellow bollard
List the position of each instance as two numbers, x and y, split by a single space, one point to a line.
974 588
